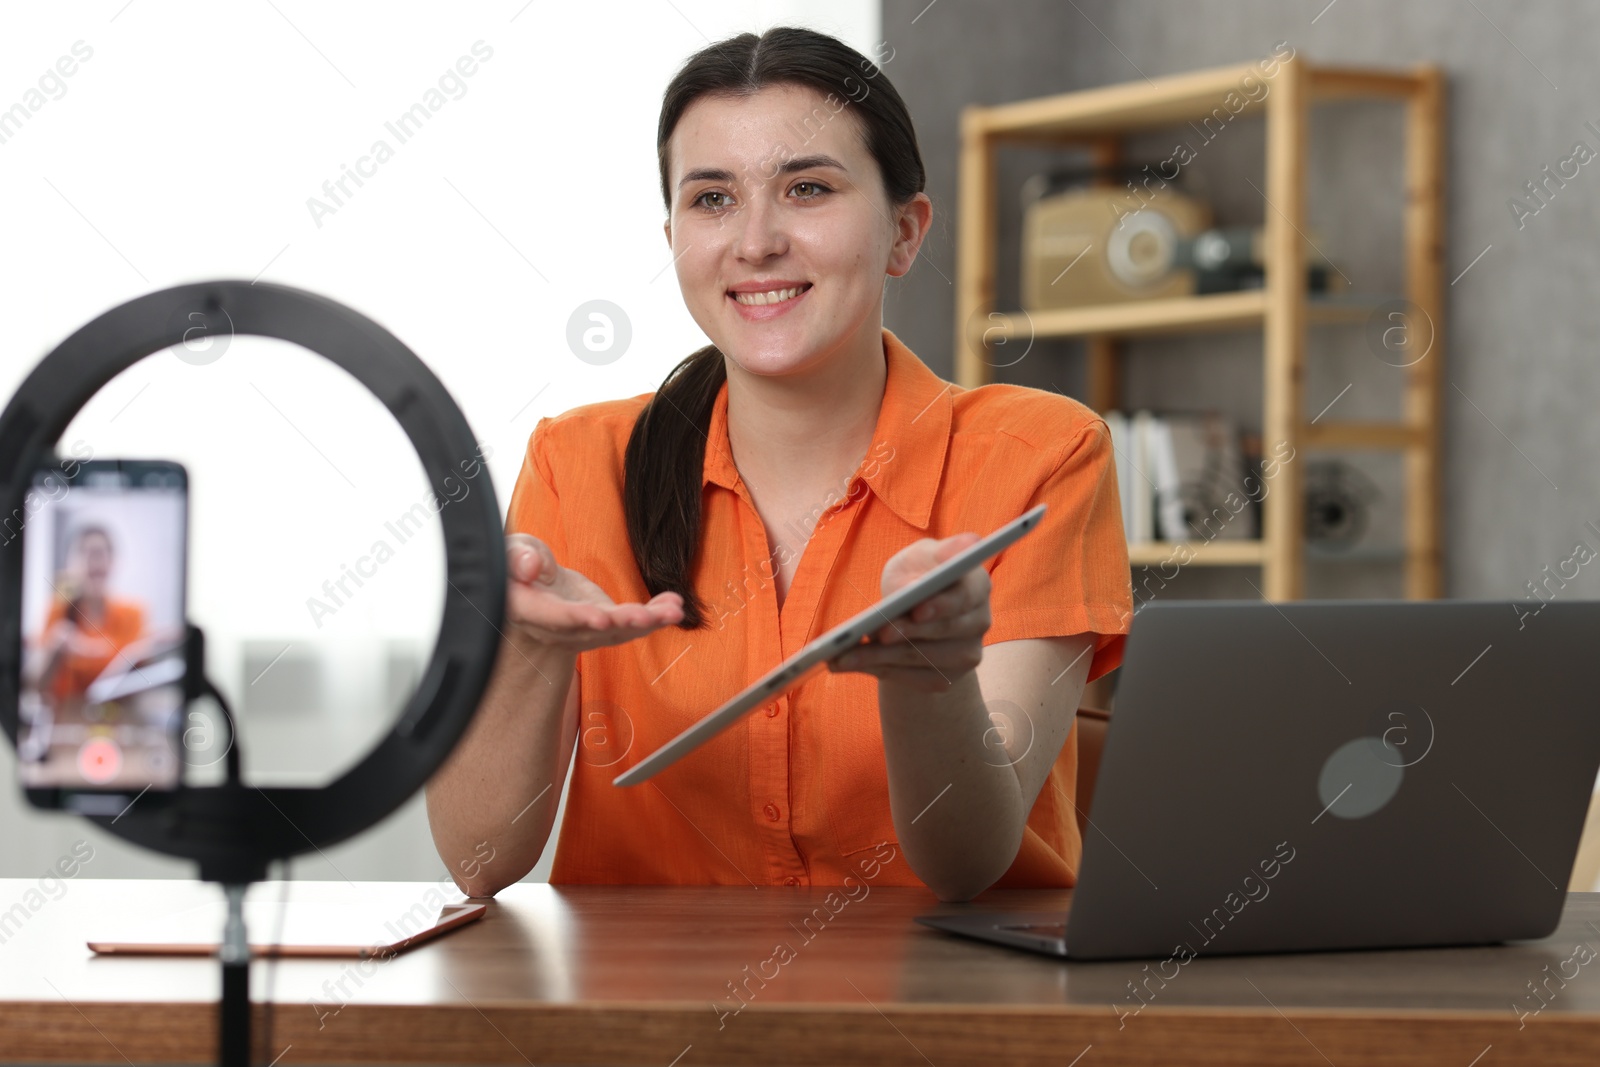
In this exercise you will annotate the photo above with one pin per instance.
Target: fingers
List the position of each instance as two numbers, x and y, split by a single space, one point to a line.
953 612
529 559
554 620
969 625
530 606
661 610
920 557
621 623
937 641
948 547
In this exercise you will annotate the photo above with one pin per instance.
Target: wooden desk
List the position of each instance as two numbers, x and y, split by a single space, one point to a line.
632 975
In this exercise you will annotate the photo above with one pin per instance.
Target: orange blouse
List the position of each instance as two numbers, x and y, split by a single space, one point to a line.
123 624
797 793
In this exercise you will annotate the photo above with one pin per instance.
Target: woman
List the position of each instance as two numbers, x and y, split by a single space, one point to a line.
86 627
85 630
670 548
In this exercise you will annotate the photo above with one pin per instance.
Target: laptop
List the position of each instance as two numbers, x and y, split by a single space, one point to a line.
1331 775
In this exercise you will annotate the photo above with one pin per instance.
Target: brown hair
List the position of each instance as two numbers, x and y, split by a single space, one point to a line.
666 451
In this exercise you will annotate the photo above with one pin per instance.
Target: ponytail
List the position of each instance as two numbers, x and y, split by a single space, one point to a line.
662 478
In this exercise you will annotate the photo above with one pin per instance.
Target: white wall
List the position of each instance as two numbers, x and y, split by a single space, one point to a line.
187 146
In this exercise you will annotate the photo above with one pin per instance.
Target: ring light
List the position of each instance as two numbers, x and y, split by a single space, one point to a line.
233 831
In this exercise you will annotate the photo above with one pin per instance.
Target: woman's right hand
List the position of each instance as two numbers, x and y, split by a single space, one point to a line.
555 605
63 636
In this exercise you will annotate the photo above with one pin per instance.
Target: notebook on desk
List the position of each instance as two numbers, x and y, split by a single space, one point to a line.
282 928
1331 775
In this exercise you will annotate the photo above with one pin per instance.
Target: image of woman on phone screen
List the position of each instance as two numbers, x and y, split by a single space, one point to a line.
668 549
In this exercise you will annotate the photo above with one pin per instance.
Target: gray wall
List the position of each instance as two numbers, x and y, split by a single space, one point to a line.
1520 481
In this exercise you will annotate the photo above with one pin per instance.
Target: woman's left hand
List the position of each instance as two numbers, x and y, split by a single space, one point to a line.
934 645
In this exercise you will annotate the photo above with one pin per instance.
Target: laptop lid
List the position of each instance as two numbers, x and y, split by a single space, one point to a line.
1340 774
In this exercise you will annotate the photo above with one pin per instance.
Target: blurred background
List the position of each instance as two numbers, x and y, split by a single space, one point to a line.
197 141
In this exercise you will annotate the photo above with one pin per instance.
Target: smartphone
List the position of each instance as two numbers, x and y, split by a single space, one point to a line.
104 575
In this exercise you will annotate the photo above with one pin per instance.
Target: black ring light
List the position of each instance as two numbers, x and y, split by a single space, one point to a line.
234 831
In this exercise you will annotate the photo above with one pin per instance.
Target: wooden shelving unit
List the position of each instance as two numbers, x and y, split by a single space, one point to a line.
1189 314
1097 120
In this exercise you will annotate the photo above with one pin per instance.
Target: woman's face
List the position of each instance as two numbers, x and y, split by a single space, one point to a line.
776 192
94 563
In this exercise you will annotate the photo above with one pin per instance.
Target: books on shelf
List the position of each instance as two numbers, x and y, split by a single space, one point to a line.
1181 477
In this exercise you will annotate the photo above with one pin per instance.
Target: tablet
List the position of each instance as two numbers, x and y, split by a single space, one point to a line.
783 677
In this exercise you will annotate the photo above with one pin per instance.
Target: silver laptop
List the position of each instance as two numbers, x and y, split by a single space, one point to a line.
1331 775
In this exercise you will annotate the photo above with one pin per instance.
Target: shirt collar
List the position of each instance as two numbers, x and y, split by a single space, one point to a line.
909 443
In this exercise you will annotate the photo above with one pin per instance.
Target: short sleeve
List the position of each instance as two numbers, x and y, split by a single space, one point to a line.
535 508
1070 575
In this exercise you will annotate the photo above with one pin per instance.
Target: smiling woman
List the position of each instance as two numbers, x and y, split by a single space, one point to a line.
793 188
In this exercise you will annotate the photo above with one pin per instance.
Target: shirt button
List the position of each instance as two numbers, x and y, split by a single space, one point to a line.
791 880
772 711
772 812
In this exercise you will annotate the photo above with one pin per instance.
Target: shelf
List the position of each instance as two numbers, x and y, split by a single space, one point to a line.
1387 436
1346 83
1205 553
1249 554
1358 554
1116 109
1215 311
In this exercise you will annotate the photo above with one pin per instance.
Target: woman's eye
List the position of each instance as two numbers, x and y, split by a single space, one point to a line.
700 201
820 189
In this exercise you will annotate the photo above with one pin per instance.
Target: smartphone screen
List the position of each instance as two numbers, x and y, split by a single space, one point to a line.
103 626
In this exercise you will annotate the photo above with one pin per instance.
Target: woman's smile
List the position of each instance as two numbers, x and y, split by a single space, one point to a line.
761 301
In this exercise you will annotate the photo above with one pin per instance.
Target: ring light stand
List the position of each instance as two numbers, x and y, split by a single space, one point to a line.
234 831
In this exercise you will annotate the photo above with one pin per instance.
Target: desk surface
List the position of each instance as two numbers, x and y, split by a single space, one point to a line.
647 975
